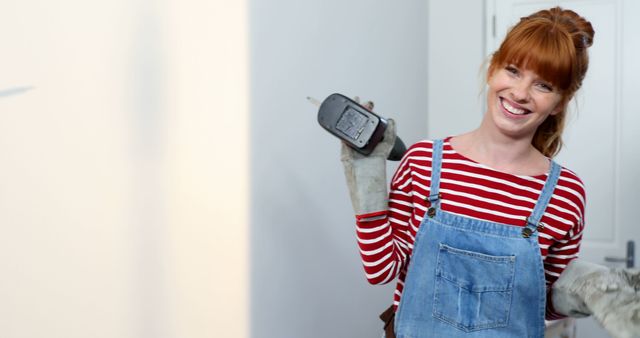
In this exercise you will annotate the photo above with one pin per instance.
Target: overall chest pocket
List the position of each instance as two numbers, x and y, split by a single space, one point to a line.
472 290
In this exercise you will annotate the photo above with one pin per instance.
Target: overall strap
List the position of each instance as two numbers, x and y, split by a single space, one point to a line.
436 164
533 221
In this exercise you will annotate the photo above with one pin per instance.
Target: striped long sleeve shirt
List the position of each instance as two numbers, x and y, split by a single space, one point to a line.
472 190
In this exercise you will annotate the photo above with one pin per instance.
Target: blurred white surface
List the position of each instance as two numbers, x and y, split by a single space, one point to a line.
123 212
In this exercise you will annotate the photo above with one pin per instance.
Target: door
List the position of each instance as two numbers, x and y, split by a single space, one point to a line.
600 138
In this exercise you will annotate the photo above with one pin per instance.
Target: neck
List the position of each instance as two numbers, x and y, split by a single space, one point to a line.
501 152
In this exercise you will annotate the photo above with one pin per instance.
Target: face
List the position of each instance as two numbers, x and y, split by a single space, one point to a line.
518 101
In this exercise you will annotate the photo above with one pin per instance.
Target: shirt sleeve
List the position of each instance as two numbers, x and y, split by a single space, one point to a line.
563 251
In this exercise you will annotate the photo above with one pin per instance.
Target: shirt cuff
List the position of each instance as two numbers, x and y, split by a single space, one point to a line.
372 216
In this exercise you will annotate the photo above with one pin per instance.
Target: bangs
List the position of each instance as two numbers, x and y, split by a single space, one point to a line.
541 47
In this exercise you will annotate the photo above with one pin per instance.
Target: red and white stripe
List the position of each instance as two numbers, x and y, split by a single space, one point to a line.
472 190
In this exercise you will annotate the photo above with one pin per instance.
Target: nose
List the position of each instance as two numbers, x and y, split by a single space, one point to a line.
520 92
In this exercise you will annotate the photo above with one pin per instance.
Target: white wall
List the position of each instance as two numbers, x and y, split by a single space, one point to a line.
66 249
418 60
456 66
123 209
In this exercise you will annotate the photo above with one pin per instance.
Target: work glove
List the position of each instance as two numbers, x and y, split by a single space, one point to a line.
367 175
610 295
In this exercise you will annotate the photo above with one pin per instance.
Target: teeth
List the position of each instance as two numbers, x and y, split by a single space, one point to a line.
511 109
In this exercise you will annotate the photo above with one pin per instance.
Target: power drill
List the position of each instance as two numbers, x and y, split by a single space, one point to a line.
355 125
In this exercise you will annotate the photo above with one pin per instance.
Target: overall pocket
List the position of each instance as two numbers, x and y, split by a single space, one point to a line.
472 290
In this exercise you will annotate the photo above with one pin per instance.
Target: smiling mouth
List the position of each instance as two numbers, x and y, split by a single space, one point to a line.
513 110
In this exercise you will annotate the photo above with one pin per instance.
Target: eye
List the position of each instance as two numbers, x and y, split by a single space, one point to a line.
512 69
545 87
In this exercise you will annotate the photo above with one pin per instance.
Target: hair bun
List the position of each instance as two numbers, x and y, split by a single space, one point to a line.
586 42
578 27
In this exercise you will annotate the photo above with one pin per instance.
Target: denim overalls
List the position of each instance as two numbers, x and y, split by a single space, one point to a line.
473 278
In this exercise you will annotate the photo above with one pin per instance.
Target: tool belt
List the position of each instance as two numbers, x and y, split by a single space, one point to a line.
388 317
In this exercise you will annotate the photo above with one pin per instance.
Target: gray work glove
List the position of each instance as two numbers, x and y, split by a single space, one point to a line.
610 295
367 175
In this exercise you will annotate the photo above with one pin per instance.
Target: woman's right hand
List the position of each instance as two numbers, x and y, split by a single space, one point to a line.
367 175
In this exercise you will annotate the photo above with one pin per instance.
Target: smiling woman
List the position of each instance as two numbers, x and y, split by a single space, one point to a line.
560 61
480 225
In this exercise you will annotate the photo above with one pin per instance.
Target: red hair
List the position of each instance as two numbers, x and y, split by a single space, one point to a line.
552 43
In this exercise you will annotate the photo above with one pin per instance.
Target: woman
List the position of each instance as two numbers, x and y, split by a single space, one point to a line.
479 226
